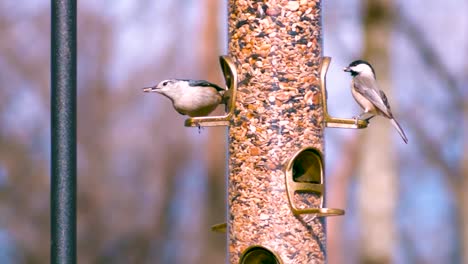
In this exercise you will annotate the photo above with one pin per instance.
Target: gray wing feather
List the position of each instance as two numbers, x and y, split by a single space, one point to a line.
368 88
387 105
204 83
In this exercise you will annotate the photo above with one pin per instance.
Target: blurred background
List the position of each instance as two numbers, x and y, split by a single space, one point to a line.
149 188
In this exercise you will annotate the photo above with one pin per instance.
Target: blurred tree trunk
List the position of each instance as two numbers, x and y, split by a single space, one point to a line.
430 148
463 187
377 173
462 190
215 151
338 194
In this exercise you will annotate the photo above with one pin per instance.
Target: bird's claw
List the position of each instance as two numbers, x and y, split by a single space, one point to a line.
356 118
200 128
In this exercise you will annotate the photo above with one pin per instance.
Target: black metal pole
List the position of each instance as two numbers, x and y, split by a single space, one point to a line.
63 130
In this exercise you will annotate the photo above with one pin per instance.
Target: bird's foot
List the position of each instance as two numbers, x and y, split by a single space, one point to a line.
200 128
356 118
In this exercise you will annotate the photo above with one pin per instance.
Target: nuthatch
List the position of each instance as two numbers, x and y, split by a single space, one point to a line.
368 95
190 97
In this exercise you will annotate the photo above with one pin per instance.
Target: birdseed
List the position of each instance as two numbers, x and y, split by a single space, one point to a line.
277 48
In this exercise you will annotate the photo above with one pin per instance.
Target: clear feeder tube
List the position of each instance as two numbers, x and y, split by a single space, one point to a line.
277 47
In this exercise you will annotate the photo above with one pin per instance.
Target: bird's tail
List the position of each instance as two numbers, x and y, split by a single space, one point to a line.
400 130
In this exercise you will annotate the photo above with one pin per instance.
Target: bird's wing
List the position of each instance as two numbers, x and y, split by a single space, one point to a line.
368 88
205 84
385 101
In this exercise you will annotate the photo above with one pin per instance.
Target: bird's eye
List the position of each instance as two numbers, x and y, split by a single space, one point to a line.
165 83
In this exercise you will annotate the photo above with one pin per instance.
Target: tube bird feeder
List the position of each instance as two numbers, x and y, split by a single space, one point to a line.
276 182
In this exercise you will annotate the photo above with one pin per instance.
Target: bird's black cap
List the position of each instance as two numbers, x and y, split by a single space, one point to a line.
357 62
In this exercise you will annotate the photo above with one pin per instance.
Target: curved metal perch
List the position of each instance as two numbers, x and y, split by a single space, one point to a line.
329 120
310 160
220 228
230 76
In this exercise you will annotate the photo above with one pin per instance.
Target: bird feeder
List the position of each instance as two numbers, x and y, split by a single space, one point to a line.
276 169
276 113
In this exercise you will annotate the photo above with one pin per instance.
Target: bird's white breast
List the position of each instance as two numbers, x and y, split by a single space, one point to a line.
197 101
362 101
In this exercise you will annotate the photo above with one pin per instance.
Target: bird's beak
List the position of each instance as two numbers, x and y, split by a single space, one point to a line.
346 69
149 89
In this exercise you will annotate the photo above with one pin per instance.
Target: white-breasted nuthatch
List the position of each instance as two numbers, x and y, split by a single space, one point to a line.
368 95
190 97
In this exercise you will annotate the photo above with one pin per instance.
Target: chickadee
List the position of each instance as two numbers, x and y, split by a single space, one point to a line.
368 95
190 97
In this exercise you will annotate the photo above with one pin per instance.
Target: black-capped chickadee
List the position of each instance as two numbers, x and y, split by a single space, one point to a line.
368 95
190 97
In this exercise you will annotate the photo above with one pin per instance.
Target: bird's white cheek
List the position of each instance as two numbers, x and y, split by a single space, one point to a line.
164 90
191 93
